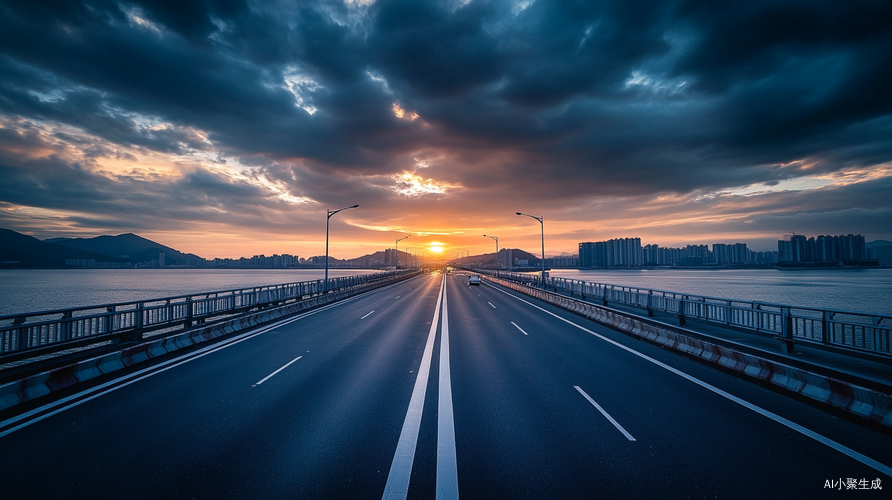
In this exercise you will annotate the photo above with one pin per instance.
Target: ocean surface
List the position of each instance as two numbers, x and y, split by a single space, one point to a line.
43 290
40 290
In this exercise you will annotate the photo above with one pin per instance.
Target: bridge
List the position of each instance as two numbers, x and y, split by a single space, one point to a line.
421 386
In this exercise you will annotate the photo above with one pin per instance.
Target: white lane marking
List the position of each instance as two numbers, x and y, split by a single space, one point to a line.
145 373
519 328
885 469
490 303
603 412
277 371
447 467
398 296
397 486
367 315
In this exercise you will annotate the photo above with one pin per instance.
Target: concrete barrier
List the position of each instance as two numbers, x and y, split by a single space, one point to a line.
56 379
857 400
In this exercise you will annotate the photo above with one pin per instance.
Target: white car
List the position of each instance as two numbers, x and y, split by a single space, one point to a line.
474 280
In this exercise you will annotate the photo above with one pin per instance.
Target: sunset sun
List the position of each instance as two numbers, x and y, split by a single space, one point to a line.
437 249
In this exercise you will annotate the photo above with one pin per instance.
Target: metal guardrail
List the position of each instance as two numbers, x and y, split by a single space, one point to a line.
31 334
846 329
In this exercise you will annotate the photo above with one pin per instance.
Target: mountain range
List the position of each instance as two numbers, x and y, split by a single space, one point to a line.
125 247
22 251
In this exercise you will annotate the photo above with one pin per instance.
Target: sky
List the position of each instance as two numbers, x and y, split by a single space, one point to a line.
227 128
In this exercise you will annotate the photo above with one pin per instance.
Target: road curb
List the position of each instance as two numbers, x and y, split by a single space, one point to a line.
56 379
845 396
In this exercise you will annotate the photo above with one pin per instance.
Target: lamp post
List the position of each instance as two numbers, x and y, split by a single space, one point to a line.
330 213
498 260
542 224
397 245
410 251
463 251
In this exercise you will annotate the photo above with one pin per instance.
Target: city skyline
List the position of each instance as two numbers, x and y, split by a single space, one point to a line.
619 252
229 128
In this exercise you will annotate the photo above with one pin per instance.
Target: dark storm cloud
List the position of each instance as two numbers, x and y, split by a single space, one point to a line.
59 181
48 99
560 100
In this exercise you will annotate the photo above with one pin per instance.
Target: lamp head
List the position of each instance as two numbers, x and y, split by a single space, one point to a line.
518 213
355 206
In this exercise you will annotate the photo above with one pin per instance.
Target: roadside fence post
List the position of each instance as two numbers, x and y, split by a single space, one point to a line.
189 313
681 317
65 326
786 331
826 327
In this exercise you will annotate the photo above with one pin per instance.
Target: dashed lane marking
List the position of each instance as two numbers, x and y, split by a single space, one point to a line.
519 328
606 415
277 371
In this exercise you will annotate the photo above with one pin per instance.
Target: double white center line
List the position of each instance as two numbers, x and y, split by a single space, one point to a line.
401 469
447 468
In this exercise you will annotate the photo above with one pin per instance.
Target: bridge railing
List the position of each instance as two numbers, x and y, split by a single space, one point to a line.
853 330
27 335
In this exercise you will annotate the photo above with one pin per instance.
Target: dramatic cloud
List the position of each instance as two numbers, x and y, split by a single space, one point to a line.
226 128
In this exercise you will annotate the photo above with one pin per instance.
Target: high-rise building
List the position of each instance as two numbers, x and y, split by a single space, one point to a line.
824 248
737 253
593 254
651 255
619 252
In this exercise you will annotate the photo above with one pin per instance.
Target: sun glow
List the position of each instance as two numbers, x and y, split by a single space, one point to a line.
437 249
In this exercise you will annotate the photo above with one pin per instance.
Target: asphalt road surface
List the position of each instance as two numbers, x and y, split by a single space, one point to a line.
432 388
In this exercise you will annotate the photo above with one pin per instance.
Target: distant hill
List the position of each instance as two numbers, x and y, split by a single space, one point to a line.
490 258
125 247
879 243
377 258
19 250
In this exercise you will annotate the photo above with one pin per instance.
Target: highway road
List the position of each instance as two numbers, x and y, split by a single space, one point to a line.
432 388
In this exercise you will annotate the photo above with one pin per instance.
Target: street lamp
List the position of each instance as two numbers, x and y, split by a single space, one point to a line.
542 224
410 253
498 260
330 213
397 245
463 261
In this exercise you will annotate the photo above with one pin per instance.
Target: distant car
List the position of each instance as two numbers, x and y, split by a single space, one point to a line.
474 280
